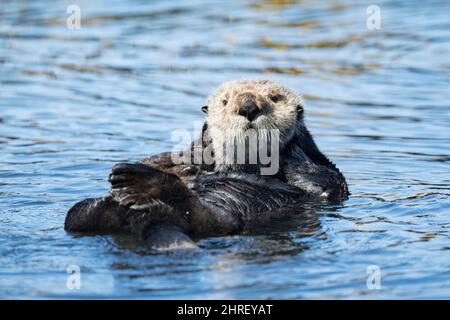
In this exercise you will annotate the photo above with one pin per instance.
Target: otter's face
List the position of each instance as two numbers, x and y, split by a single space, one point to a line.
253 104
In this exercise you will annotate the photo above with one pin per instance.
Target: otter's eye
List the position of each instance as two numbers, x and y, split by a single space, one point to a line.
225 102
275 97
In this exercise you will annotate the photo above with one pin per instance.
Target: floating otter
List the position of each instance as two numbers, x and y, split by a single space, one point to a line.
166 202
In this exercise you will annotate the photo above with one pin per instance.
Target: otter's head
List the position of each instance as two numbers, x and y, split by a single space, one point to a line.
253 104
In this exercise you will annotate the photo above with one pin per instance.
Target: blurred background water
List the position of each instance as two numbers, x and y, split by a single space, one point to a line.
74 102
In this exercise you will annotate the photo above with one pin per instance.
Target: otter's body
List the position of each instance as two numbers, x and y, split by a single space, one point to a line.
166 203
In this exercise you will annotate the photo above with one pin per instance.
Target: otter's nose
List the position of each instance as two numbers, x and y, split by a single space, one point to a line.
249 109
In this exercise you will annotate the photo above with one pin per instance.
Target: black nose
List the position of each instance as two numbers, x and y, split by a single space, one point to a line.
249 109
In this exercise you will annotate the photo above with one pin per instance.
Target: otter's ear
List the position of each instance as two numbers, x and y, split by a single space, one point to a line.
299 108
205 109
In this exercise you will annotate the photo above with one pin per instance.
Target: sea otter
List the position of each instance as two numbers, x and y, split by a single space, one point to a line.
164 201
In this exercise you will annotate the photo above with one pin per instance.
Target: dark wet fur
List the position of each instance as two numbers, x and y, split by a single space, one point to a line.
162 203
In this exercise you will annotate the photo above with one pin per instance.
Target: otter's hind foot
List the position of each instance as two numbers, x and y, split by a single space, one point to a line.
139 186
95 215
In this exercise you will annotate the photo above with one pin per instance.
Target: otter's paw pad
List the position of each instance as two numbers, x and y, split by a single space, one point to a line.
138 185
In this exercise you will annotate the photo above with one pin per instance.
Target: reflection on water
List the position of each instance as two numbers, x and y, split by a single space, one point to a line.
73 102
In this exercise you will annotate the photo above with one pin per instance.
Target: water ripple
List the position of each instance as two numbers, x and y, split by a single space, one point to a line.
73 102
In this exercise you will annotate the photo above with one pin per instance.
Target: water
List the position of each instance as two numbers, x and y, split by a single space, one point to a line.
74 102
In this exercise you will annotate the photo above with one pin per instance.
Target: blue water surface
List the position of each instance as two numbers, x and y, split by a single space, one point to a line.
75 101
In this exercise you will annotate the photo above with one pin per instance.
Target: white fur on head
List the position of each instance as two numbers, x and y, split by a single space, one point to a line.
225 124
